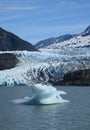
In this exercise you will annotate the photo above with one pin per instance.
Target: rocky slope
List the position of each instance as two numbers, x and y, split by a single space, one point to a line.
76 78
11 42
7 61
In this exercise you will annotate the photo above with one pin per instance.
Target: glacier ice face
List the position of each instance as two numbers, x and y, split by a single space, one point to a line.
48 65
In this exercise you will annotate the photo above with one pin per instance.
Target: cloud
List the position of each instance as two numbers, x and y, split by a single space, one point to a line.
4 19
72 4
20 8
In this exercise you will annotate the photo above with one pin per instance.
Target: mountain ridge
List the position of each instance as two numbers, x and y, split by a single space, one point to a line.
60 39
11 42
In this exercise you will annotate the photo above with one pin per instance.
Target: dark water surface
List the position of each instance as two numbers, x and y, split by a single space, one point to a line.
74 115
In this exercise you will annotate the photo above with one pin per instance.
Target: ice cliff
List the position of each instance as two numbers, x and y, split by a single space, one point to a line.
46 66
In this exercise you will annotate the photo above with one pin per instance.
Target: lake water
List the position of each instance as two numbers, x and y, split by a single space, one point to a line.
74 115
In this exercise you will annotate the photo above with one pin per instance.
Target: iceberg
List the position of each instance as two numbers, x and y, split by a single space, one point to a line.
44 95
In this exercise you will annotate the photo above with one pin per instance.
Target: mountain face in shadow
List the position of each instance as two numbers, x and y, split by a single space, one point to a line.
47 42
11 42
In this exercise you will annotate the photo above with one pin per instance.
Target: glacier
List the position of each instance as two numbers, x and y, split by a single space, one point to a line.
38 69
45 66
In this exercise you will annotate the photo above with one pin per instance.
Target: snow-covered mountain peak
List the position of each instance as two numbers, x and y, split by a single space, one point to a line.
88 29
69 40
46 42
86 32
75 42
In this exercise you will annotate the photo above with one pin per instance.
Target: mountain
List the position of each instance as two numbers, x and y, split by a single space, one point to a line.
86 32
67 41
11 42
50 41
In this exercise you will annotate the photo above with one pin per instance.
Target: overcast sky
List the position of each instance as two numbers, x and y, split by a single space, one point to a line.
34 20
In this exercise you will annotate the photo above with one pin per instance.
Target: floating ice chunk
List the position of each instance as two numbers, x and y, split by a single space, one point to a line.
44 95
